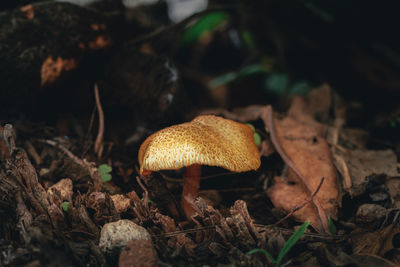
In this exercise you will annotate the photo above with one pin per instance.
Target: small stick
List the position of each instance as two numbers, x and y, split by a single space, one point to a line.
145 192
63 149
99 145
87 144
302 205
32 151
93 172
259 226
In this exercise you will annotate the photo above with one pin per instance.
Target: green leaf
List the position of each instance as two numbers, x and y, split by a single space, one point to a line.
104 168
257 138
223 79
277 83
232 76
65 206
105 177
292 241
262 251
332 227
205 24
253 69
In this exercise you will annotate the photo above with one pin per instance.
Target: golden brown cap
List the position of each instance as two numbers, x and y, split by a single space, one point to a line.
206 140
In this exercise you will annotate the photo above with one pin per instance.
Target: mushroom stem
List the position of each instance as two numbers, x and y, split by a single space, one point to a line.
191 184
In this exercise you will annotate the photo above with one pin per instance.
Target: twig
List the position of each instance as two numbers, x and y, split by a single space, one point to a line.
93 172
99 145
187 231
145 193
259 226
347 183
32 151
268 117
302 205
63 149
8 136
88 142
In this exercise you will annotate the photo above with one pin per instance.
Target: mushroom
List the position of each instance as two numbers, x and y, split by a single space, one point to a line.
206 140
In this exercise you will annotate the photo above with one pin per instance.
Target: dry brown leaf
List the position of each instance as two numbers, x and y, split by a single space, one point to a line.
320 101
301 139
101 42
121 203
376 243
28 11
362 163
52 69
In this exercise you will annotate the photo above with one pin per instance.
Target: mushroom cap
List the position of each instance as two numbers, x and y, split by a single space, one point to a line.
206 140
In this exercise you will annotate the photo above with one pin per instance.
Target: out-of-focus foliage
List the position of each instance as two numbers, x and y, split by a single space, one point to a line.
232 76
207 23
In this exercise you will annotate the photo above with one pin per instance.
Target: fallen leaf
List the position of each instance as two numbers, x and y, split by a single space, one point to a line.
28 11
362 163
303 144
51 69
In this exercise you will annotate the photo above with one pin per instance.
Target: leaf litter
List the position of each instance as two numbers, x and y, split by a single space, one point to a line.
309 188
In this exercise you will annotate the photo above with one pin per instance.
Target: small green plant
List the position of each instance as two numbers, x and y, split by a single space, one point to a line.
257 137
332 227
286 248
65 206
105 172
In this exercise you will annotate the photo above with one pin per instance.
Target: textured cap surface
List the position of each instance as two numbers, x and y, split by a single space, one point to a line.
206 140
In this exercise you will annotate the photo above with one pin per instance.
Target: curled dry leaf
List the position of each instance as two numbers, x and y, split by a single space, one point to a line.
121 203
63 189
52 68
305 150
28 11
362 163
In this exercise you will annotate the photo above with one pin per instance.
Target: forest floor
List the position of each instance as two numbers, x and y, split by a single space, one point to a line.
327 191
